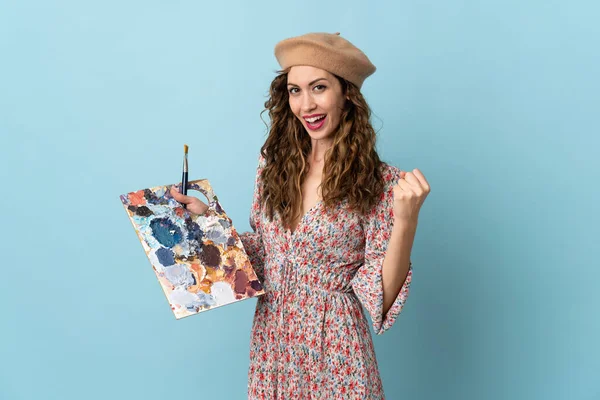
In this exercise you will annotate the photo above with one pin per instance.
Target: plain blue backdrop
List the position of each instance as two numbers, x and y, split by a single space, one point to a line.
497 102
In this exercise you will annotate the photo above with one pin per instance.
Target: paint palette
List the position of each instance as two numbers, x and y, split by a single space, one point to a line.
199 260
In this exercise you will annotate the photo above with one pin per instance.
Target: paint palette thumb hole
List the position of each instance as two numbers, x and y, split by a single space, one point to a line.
198 194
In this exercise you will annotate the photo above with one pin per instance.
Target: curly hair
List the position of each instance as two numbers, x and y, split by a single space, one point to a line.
352 168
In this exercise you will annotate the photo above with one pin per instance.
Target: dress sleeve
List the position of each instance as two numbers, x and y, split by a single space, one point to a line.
367 283
252 241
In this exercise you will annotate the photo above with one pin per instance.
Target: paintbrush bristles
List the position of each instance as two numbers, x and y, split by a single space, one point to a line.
185 158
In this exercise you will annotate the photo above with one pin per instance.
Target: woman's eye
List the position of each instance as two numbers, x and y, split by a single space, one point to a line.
291 90
320 87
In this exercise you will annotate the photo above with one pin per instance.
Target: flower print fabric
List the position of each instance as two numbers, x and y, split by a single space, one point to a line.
310 337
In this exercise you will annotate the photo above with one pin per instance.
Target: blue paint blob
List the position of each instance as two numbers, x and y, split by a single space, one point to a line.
166 232
165 256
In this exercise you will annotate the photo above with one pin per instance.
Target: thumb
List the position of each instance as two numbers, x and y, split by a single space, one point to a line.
180 197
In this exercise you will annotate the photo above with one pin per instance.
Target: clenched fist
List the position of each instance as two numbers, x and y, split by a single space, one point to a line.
409 194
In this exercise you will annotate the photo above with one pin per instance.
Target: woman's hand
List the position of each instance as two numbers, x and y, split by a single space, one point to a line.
409 194
193 204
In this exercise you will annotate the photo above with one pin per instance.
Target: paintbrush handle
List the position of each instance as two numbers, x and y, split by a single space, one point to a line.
184 184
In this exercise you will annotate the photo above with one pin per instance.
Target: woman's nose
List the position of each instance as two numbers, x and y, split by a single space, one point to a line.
308 103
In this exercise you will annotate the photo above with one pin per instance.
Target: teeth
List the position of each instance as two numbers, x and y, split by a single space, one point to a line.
314 119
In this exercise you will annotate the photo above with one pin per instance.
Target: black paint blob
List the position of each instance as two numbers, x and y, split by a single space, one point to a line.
143 211
194 231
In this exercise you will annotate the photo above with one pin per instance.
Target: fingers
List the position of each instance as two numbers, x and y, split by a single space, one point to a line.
192 203
412 179
422 180
405 186
180 197
416 180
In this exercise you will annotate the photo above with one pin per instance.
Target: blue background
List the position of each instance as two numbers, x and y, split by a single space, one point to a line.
495 101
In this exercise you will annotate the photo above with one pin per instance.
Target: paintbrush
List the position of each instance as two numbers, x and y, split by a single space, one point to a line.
184 178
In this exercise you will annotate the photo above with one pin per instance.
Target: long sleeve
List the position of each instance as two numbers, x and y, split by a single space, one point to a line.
252 241
367 283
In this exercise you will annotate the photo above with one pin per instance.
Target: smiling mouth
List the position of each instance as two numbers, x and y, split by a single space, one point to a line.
315 123
314 119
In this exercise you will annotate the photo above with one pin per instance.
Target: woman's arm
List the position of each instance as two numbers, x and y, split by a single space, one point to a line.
410 192
397 261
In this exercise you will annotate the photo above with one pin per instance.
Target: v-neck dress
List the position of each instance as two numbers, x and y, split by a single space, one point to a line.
310 337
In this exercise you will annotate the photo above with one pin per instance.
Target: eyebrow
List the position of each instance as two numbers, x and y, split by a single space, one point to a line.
310 84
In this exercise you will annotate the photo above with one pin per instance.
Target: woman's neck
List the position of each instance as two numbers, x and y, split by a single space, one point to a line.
317 153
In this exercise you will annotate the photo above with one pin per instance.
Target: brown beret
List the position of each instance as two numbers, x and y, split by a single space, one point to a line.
327 51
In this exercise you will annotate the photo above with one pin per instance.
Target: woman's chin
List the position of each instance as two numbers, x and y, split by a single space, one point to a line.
320 134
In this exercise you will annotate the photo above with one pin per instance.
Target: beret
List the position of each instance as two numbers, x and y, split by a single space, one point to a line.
328 51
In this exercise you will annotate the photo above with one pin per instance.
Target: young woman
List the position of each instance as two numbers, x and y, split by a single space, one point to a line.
333 229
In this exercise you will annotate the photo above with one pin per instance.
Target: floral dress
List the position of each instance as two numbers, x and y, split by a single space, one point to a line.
310 336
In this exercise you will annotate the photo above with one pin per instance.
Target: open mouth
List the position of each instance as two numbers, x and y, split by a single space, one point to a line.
315 123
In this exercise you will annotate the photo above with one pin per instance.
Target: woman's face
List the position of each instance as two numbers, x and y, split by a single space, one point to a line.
316 99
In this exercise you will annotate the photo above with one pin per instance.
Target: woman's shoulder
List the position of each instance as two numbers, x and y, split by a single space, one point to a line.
390 173
262 161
